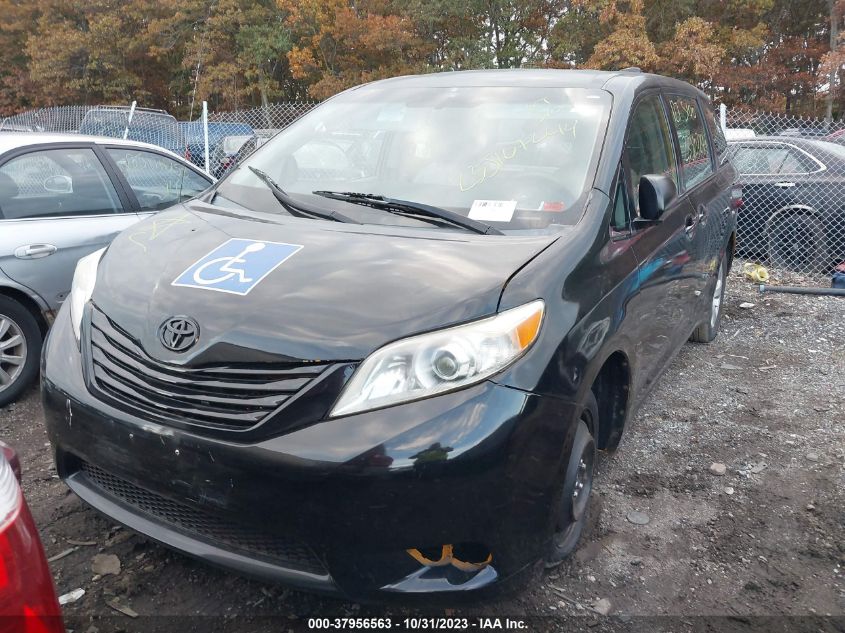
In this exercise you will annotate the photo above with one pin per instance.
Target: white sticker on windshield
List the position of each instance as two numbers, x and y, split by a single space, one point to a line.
492 210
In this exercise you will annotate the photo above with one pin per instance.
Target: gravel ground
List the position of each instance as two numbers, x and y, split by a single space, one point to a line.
766 402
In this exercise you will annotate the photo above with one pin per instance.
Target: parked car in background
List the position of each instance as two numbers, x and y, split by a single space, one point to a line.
806 131
15 127
835 137
231 151
792 190
63 196
146 125
195 139
739 134
27 597
389 344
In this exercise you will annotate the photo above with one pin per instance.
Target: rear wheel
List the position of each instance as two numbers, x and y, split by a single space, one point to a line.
20 349
796 242
708 330
577 486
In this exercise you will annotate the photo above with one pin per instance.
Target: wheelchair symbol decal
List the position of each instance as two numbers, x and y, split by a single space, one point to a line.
236 266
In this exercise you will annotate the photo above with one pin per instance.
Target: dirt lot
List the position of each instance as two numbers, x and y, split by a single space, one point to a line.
767 538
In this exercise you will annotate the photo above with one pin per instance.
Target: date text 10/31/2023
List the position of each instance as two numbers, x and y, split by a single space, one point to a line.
418 623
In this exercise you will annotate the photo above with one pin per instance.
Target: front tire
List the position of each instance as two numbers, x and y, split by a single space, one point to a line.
707 331
20 349
577 486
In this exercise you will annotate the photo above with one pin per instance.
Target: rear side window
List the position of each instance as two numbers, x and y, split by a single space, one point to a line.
157 181
648 146
717 135
696 162
56 182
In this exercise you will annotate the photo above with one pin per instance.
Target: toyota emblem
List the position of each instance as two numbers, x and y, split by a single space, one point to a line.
179 333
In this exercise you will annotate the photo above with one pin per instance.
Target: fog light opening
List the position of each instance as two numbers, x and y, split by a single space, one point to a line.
463 556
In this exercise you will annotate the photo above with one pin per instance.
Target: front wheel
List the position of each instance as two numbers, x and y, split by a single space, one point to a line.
20 349
577 486
708 330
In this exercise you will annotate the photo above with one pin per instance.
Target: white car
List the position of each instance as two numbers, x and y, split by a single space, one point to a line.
739 134
63 196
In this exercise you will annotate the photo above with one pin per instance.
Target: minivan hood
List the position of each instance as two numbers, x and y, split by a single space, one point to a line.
348 290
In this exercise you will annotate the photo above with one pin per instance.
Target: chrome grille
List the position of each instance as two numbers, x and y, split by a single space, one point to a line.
225 397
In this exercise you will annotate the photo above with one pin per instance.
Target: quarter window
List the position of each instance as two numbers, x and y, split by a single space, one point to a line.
620 207
648 146
158 181
696 162
720 145
56 182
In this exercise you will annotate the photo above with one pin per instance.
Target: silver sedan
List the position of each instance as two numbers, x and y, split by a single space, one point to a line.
63 196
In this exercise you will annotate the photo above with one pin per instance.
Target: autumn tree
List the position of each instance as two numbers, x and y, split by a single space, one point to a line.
15 85
455 33
693 52
337 45
236 54
775 54
628 43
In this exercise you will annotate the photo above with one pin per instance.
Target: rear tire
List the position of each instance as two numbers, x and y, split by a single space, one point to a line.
709 329
577 485
796 242
20 349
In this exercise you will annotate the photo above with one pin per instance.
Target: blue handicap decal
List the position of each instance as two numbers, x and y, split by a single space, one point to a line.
236 266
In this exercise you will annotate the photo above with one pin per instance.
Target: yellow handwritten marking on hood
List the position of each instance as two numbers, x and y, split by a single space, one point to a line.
149 232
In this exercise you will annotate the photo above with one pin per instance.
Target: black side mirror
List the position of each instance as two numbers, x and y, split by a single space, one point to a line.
656 193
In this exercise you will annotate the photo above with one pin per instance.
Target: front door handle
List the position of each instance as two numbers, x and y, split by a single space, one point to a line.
34 251
784 185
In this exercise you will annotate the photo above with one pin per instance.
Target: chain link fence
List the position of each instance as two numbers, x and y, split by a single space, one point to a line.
792 170
229 136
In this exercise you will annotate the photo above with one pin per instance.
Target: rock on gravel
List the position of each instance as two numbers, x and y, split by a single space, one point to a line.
71 596
718 469
638 518
602 606
105 565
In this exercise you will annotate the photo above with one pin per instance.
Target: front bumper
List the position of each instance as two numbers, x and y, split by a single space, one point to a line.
334 506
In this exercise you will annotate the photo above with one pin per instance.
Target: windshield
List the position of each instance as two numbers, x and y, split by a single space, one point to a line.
516 158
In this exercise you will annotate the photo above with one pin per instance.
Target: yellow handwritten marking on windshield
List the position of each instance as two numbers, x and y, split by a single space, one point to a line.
155 229
492 164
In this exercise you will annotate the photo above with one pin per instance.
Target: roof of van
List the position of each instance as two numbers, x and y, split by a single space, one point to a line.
525 77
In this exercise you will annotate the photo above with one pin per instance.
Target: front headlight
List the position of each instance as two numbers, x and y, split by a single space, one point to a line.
432 363
82 288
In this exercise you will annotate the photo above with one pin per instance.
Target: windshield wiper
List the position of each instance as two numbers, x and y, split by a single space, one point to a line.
298 209
410 209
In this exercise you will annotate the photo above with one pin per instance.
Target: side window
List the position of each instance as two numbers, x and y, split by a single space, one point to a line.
696 162
720 145
158 181
648 146
56 182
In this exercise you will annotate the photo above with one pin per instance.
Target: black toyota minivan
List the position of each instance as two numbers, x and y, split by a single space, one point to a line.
379 358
